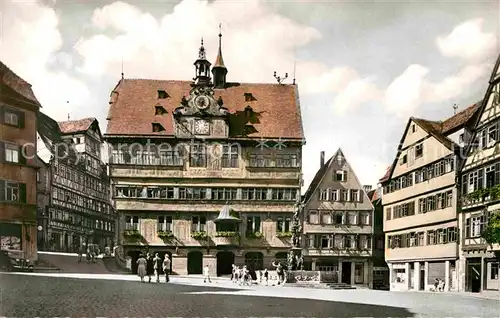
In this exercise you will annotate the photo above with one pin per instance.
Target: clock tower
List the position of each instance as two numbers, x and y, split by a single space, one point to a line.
200 114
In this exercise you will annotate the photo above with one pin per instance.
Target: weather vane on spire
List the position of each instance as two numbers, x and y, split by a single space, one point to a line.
279 78
202 54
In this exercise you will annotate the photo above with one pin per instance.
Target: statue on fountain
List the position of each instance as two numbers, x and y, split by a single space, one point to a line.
294 257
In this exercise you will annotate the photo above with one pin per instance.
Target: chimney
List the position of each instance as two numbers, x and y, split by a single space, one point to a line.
322 160
367 188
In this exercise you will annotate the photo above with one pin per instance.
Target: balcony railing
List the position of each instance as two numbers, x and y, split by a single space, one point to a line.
481 196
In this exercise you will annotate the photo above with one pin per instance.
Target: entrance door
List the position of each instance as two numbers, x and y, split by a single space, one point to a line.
195 262
346 273
66 242
359 273
225 260
474 277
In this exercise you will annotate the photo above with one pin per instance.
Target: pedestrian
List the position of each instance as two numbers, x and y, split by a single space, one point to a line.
233 271
280 271
150 266
266 276
206 274
141 267
80 253
166 268
158 262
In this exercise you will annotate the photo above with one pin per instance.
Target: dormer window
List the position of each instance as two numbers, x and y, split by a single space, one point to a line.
159 110
157 127
341 175
249 97
403 159
248 111
162 94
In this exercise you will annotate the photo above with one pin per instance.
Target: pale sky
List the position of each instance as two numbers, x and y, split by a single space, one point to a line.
362 67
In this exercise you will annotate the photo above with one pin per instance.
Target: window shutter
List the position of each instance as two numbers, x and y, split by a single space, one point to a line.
480 179
21 119
467 228
2 190
345 175
22 192
2 114
22 156
2 152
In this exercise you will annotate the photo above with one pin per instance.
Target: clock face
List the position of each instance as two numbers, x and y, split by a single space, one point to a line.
202 127
202 102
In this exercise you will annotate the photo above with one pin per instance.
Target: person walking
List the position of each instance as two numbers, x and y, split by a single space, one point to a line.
141 267
206 274
266 277
166 268
158 262
150 266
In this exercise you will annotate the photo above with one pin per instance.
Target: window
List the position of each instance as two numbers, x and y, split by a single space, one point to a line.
157 127
11 118
286 161
431 237
339 218
325 241
365 218
230 154
253 194
388 214
313 217
403 160
284 194
326 217
260 160
491 135
476 226
352 218
253 224
355 196
162 94
413 128
490 176
38 176
494 271
473 181
170 158
341 175
12 191
449 199
345 195
132 223
198 224
334 195
419 150
12 153
461 138
165 223
159 110
198 156
323 194
283 224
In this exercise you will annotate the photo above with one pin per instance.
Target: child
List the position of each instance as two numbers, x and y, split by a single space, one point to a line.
206 274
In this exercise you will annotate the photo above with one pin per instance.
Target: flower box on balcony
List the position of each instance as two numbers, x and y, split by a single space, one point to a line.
199 235
132 234
284 234
165 235
227 234
254 235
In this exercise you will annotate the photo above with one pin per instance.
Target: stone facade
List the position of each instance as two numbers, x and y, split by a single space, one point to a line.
208 175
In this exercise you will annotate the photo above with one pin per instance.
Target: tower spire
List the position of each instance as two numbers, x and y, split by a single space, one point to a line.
219 70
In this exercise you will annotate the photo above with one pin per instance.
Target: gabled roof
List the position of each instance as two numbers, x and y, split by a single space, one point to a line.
320 174
316 180
133 101
494 80
17 84
437 129
76 126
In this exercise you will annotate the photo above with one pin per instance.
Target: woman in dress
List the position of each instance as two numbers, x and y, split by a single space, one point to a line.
141 267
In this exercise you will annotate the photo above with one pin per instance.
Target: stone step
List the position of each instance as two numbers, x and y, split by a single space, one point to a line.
340 286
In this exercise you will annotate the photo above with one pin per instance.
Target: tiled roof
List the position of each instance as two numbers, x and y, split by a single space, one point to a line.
133 101
17 84
439 129
316 180
75 126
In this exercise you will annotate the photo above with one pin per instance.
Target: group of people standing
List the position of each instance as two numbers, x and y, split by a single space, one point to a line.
244 275
147 265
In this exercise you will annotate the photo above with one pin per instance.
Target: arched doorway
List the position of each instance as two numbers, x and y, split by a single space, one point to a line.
254 261
134 255
195 262
225 260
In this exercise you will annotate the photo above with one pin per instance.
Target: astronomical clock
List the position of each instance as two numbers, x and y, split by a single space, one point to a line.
201 115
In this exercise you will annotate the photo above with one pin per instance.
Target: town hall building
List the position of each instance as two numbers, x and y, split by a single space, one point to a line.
206 171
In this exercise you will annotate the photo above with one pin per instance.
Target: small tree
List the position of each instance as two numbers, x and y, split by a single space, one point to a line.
491 233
